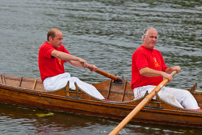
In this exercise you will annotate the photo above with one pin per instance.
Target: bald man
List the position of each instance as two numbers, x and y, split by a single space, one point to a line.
51 59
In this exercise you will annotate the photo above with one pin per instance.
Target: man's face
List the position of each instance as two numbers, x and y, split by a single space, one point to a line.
150 40
57 40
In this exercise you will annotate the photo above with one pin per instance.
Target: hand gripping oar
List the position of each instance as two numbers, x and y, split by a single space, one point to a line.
113 77
140 106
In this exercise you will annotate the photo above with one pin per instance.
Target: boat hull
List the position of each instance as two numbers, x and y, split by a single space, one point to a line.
77 101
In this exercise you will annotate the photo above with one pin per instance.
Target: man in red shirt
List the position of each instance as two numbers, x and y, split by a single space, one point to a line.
149 69
51 58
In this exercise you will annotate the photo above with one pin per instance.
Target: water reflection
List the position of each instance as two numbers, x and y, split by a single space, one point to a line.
22 120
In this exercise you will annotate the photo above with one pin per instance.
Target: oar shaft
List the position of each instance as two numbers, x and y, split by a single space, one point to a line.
129 116
140 106
113 77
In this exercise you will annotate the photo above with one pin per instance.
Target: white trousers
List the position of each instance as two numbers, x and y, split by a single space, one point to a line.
177 97
60 81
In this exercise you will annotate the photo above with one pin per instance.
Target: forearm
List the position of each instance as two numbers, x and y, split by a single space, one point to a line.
64 56
75 63
78 64
148 72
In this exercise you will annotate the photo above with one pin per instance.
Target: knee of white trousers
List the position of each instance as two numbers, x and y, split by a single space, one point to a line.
189 102
170 99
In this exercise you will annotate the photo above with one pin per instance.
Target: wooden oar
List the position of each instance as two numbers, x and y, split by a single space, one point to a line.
113 77
140 106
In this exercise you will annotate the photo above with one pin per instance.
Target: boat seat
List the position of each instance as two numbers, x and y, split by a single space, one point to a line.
23 82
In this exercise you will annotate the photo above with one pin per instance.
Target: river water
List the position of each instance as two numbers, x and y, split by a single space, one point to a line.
105 33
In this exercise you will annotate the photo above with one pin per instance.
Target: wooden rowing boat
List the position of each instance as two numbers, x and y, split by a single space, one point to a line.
30 92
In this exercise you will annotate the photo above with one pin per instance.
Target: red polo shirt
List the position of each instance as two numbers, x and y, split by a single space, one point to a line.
150 58
48 65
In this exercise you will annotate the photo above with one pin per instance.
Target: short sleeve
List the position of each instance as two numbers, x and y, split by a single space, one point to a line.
140 60
47 49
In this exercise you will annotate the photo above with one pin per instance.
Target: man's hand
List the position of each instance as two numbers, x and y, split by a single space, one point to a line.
176 68
168 76
84 63
93 68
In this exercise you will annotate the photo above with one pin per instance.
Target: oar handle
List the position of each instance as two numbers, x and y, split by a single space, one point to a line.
140 106
113 77
173 73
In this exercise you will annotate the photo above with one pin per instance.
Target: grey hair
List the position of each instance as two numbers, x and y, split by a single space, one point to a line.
146 32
